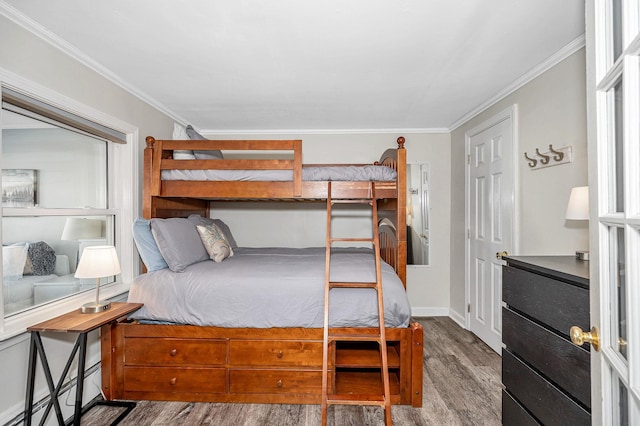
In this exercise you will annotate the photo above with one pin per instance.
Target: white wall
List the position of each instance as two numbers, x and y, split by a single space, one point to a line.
38 64
551 110
303 224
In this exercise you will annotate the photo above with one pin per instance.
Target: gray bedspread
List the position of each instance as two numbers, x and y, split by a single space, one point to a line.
333 173
271 287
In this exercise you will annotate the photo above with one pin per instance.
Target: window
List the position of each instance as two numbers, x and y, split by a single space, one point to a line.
64 180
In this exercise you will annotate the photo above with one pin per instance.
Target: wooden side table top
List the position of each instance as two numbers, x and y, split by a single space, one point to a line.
77 322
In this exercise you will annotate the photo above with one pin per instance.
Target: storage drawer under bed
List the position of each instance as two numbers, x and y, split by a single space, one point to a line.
276 353
175 379
275 381
143 351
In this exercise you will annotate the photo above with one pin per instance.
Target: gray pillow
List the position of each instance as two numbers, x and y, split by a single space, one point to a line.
205 221
179 242
203 154
42 258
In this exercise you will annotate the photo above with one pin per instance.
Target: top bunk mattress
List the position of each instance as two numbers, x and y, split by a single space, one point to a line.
271 287
325 173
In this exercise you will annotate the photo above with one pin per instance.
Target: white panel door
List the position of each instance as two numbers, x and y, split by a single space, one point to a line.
490 214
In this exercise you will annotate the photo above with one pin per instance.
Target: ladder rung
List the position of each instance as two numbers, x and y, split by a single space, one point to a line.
362 240
355 337
352 399
351 200
336 284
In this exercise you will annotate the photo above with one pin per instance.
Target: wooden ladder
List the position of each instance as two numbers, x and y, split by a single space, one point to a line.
330 337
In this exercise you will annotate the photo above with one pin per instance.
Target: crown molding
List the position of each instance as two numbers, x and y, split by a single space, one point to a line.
322 131
544 66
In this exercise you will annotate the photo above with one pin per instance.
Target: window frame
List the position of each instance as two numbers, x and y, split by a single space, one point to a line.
123 194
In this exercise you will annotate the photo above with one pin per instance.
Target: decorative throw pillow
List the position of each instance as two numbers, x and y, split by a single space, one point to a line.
202 154
214 242
41 258
178 242
147 247
13 260
180 134
196 219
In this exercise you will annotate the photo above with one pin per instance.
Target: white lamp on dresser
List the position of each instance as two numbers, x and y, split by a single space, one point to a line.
578 209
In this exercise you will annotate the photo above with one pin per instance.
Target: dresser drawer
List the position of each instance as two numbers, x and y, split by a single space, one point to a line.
554 303
175 379
141 351
513 414
275 381
275 353
545 401
557 358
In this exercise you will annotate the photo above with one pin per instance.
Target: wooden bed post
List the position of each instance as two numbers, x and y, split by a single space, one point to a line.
297 168
401 218
148 170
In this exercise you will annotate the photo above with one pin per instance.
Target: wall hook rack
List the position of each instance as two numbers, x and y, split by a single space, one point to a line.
552 157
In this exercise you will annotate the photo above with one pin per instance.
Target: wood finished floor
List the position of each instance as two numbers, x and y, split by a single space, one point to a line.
461 387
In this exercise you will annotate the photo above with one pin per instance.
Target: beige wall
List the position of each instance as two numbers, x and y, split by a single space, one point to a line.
551 110
39 64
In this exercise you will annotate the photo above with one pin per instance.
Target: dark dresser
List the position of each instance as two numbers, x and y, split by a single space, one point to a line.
546 378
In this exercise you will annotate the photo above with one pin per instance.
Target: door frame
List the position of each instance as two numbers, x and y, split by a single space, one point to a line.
508 113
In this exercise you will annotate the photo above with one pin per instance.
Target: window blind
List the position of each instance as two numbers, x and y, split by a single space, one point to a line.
26 105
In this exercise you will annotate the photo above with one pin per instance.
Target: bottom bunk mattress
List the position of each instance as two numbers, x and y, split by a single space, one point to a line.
271 287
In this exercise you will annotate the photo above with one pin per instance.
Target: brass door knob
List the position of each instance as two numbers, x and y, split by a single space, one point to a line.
579 337
501 254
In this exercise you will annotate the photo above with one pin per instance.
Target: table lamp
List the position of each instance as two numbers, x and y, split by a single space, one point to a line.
578 209
97 262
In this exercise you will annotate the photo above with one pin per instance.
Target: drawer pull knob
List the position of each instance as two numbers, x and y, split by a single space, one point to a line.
173 352
579 337
173 381
279 355
279 383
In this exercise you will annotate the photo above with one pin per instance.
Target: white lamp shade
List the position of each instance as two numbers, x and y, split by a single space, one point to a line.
98 262
578 208
79 228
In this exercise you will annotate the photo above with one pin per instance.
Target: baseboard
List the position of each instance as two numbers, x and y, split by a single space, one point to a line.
458 318
429 312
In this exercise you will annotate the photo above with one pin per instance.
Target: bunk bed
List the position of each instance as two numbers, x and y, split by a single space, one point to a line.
145 358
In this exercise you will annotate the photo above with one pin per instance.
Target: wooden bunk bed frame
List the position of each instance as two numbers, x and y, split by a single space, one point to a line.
275 365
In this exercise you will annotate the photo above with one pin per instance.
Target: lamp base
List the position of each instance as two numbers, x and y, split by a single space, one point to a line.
582 255
94 308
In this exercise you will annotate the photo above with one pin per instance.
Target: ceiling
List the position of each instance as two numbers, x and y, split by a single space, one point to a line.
299 65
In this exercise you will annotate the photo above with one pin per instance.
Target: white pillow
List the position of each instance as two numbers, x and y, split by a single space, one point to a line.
180 134
13 259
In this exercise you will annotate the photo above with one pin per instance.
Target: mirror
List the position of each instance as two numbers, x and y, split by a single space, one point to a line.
418 214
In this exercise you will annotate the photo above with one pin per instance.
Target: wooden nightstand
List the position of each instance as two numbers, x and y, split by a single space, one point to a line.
71 322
